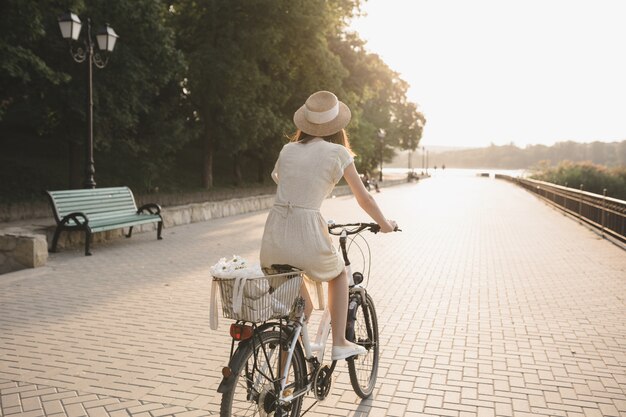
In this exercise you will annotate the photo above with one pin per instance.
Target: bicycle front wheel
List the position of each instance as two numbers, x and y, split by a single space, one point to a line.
363 369
255 367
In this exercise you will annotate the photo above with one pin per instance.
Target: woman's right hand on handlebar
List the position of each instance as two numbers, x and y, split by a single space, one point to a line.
388 226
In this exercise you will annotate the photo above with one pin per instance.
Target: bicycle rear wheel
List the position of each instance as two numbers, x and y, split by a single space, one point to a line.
255 369
363 369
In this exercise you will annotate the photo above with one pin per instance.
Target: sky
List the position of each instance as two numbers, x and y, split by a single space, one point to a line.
502 71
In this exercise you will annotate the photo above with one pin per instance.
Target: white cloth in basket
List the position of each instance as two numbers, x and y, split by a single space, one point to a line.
240 270
251 292
257 310
256 288
288 287
251 297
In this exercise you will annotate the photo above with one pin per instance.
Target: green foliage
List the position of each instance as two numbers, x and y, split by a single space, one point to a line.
594 178
250 64
377 97
22 58
136 97
188 83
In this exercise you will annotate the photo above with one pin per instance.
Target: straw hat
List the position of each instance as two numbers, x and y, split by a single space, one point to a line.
322 115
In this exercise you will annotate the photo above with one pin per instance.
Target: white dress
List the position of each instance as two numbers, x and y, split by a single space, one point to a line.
295 231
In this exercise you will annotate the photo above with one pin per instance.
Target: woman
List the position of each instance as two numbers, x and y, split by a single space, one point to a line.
295 233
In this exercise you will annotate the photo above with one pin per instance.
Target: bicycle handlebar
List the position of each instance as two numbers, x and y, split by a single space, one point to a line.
357 228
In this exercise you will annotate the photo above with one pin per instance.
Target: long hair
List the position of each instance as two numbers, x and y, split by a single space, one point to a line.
340 138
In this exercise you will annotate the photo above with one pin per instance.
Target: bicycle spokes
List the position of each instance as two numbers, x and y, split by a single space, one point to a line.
364 368
257 369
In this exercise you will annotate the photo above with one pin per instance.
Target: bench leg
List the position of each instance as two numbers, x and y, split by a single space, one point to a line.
87 242
130 232
159 229
55 239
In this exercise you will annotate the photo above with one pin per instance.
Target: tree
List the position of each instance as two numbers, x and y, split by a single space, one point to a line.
377 96
408 125
512 157
135 97
224 75
249 63
23 65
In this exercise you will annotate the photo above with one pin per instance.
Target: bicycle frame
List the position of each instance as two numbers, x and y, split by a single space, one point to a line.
317 349
312 351
298 332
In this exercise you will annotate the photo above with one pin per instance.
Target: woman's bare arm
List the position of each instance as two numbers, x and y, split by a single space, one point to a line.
365 200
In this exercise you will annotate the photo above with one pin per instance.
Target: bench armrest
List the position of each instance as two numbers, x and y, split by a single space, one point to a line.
151 208
79 217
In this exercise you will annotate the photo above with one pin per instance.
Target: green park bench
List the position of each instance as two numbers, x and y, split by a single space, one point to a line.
98 210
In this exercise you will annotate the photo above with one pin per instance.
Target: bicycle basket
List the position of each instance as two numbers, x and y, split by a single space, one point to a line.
259 299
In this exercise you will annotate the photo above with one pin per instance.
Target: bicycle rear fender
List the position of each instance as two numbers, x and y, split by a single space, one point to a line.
228 380
227 384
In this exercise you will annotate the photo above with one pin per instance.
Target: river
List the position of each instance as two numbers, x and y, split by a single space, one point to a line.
463 172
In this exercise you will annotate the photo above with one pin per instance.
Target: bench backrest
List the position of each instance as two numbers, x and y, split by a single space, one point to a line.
95 203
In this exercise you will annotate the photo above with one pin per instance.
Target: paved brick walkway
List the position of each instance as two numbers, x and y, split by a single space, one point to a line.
490 304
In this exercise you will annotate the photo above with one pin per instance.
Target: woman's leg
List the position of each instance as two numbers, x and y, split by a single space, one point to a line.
338 306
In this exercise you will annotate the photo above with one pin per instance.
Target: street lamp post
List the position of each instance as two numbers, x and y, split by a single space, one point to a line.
423 156
381 137
106 37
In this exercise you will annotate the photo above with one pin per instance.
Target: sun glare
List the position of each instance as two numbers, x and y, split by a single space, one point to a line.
487 71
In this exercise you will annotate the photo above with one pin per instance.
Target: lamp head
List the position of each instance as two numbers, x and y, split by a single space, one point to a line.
106 37
70 25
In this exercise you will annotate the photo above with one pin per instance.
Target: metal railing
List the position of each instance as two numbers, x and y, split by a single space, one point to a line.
606 214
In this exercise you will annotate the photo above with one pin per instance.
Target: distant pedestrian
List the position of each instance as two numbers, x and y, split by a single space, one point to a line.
375 183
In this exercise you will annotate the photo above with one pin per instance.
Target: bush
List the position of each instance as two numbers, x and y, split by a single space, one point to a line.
595 178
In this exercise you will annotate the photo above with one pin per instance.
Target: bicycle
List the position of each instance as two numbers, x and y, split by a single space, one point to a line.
275 363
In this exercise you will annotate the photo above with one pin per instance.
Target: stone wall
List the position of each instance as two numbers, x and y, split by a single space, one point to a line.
40 208
26 246
19 251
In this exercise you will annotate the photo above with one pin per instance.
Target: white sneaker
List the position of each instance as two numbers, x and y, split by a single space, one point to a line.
343 352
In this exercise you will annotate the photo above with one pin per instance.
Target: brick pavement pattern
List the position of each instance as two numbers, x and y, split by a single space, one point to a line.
490 303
